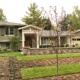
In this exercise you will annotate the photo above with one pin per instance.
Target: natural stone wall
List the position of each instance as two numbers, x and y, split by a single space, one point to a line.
35 51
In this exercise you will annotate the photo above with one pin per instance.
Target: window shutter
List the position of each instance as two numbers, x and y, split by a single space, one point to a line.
2 31
15 31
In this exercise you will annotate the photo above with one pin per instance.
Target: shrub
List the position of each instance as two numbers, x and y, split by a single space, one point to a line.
5 50
14 41
0 50
66 45
76 45
52 43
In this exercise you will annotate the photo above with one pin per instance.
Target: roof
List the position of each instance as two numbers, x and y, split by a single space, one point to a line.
76 31
3 23
32 26
48 33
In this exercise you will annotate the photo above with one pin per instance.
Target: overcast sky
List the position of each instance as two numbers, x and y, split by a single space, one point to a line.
15 9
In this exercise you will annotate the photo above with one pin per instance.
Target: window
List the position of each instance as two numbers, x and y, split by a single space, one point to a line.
8 45
11 31
2 45
78 39
74 39
45 40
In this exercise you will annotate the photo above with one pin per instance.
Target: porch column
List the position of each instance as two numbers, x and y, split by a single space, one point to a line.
59 41
22 39
37 40
40 40
68 40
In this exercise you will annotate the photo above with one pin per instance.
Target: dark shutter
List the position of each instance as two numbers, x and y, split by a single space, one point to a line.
16 31
2 31
7 31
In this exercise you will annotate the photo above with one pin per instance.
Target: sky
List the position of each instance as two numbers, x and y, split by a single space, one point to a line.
15 9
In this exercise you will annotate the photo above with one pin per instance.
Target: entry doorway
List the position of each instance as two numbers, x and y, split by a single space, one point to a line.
28 41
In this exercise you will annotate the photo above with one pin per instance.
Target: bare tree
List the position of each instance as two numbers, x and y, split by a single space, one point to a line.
55 18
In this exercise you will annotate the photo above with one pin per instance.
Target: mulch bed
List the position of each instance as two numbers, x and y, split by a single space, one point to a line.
9 69
4 66
15 73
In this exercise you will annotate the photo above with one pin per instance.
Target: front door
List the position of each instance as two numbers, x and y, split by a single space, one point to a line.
28 41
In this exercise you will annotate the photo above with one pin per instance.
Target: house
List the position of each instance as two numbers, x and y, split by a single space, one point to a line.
8 30
33 37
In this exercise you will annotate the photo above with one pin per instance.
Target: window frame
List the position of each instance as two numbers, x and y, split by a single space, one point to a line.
9 31
45 41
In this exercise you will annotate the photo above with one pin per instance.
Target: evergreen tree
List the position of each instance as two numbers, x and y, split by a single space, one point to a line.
2 16
34 17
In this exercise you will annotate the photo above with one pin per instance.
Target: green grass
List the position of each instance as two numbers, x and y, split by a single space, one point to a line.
11 54
50 56
49 71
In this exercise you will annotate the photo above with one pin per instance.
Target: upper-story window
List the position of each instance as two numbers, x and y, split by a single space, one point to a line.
9 30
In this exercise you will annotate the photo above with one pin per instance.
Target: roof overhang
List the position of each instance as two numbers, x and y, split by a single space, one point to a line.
6 23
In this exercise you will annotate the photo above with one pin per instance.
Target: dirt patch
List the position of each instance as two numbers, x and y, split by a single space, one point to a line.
10 68
62 77
48 62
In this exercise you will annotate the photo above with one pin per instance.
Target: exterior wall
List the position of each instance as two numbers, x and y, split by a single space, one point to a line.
6 38
35 51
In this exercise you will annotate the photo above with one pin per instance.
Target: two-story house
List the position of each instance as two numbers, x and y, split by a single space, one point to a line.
7 30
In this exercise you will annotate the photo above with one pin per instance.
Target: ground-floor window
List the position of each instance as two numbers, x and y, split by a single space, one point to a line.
45 40
8 45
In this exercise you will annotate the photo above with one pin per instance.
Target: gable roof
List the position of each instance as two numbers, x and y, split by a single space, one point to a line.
28 26
48 33
6 23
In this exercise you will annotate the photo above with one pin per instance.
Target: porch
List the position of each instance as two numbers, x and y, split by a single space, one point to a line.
30 36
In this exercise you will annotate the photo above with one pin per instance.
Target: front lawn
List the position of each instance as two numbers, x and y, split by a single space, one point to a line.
50 56
11 54
49 71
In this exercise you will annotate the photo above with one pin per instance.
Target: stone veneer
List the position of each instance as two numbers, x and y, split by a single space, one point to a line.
35 51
